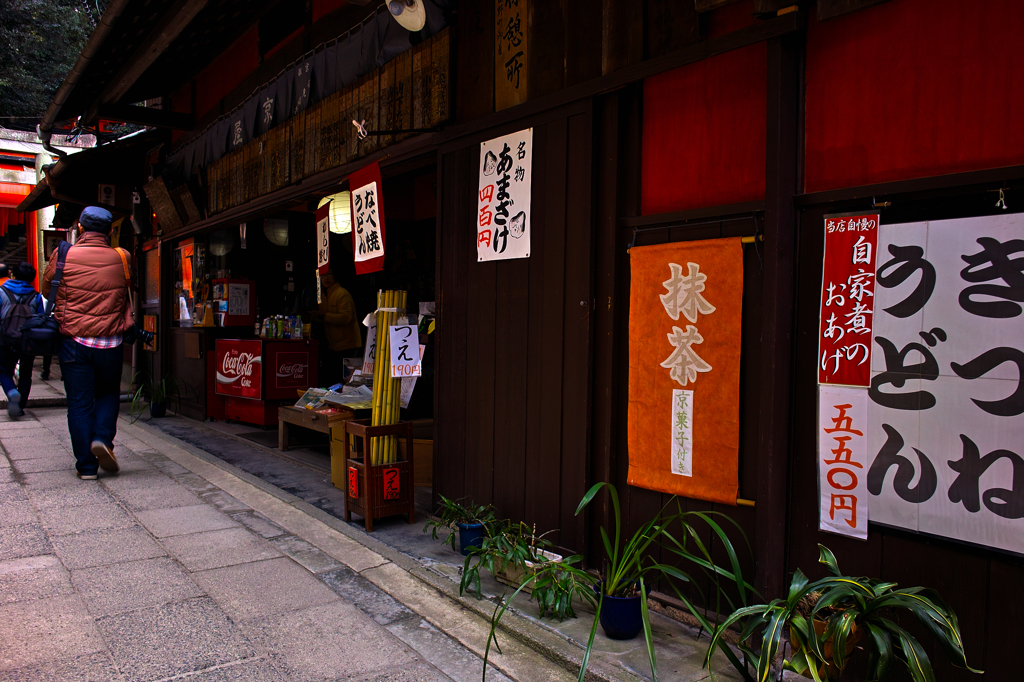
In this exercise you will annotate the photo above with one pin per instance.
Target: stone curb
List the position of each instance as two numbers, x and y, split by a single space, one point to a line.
551 645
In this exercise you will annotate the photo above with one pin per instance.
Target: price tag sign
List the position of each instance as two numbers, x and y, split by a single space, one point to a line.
405 351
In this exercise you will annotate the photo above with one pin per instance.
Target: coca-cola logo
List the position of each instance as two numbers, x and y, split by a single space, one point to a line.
239 367
295 369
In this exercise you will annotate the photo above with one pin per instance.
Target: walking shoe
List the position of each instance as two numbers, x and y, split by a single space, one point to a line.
105 454
14 404
87 477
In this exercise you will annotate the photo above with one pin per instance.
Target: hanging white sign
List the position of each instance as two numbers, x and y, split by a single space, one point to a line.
842 460
323 251
369 240
503 200
405 351
946 408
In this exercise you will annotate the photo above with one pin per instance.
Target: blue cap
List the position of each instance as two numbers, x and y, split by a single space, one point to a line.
96 219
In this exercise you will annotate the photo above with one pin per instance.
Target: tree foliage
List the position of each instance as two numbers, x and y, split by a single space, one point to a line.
39 43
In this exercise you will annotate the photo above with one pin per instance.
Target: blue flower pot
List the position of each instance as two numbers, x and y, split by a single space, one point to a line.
621 617
470 535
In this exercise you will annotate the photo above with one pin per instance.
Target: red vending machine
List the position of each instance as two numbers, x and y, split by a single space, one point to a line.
256 376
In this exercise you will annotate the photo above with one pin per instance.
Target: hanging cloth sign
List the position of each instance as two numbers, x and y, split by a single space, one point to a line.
323 245
503 206
685 311
367 219
842 460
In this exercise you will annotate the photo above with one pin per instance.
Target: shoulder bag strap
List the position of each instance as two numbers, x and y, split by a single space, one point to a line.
127 277
58 275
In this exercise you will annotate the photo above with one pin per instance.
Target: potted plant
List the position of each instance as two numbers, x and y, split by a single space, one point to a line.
512 552
470 520
619 593
156 393
835 617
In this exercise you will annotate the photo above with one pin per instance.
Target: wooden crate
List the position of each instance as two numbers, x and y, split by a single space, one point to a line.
375 492
423 452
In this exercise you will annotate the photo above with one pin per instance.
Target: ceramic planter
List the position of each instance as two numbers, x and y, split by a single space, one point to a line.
621 617
157 409
470 535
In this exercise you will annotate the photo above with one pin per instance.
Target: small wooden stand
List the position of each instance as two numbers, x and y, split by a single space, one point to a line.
309 419
373 484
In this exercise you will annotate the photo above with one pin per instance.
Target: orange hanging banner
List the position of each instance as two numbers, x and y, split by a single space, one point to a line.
685 316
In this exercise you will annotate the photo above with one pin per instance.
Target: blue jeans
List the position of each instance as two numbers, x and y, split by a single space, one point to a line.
9 357
92 381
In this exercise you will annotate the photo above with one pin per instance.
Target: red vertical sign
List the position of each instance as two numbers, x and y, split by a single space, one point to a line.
391 484
353 483
847 300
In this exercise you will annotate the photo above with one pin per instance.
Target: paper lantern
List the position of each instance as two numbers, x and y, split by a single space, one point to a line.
276 230
341 212
221 242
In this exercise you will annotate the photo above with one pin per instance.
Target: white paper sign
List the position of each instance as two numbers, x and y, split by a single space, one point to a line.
238 299
323 251
946 410
369 240
405 351
682 432
370 352
842 460
408 385
503 201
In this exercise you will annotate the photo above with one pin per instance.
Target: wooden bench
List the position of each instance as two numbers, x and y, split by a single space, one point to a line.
308 419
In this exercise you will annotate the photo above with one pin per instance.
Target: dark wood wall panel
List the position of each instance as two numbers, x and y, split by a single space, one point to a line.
512 426
456 207
639 505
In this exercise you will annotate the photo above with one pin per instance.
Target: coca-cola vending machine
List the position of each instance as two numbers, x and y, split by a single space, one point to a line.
256 377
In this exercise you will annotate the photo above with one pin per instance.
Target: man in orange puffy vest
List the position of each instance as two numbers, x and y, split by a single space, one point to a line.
93 311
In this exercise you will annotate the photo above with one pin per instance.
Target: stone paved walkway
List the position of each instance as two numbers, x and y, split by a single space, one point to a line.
179 570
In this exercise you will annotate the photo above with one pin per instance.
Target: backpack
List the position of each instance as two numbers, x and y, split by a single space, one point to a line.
20 308
40 333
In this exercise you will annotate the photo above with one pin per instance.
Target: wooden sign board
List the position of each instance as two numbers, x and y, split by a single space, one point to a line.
510 54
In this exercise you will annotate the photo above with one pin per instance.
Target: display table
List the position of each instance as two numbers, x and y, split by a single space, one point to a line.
308 419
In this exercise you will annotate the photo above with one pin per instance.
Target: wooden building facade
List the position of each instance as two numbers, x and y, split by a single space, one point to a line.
658 122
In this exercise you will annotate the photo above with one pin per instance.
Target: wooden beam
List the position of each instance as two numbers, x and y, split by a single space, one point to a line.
170 27
722 211
963 183
782 150
157 118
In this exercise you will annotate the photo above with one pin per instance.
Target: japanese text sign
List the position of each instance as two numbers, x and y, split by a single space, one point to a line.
842 460
367 220
510 53
685 315
847 300
405 351
353 483
946 398
392 484
323 252
503 201
370 351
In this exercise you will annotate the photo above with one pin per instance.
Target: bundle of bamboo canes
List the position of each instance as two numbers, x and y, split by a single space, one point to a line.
386 390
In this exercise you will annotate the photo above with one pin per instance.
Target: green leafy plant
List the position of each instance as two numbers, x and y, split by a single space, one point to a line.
630 570
827 618
452 512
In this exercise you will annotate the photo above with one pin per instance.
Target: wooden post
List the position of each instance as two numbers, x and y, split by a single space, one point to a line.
782 153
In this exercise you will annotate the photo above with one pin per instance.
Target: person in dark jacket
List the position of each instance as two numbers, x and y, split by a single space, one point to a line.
14 290
92 309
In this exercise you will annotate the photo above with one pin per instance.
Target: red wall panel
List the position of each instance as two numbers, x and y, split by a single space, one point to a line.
908 89
704 133
226 71
322 8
